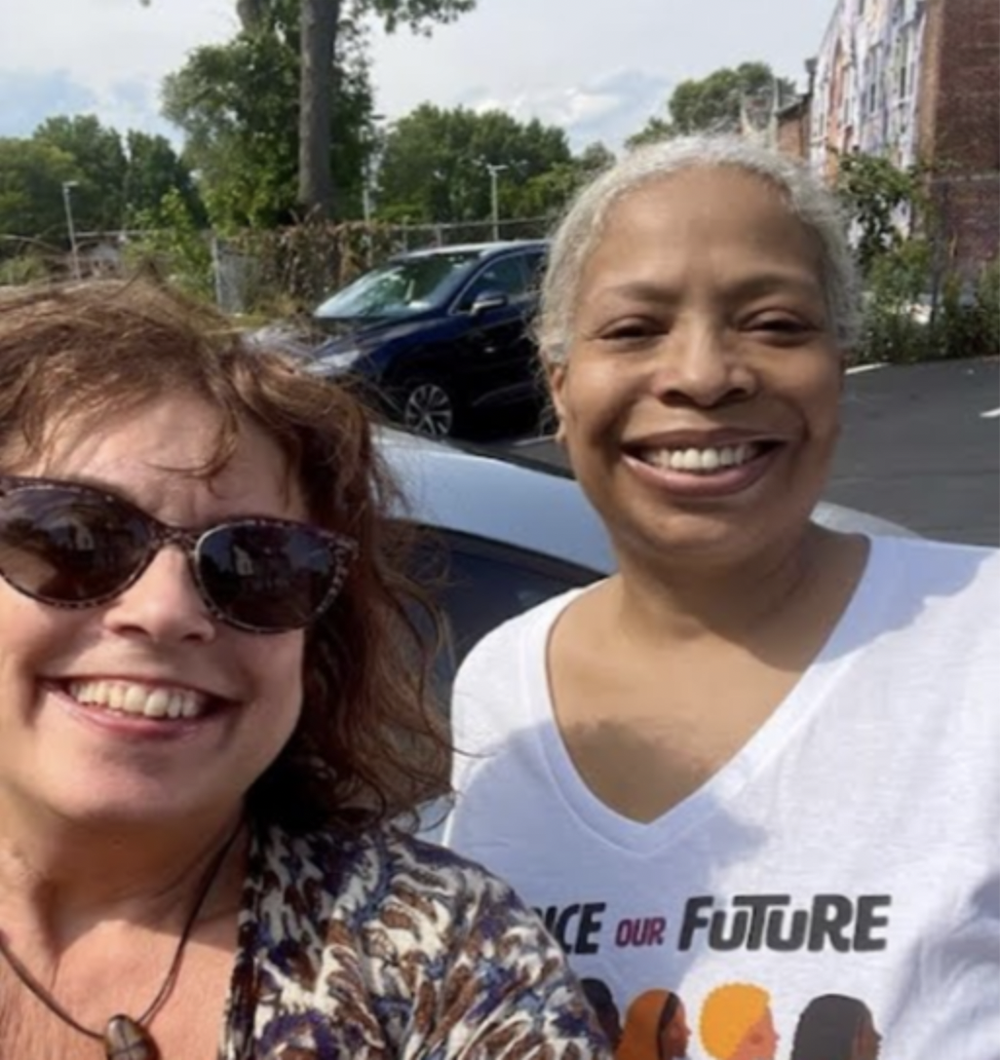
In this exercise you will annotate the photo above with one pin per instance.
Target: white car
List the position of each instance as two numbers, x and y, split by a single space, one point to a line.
518 531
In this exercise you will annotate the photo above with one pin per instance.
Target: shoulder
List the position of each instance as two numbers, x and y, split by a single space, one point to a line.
423 948
944 553
961 576
929 612
384 872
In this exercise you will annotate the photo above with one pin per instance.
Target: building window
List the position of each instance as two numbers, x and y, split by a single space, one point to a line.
903 59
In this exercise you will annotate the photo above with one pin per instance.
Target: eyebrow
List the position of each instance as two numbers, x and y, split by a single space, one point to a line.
749 287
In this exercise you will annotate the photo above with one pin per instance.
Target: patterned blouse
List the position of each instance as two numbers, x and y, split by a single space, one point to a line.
378 947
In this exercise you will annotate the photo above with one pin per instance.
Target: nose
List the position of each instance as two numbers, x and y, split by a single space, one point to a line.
701 365
164 604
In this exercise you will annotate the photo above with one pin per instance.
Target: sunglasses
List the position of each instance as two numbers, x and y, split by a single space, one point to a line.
73 546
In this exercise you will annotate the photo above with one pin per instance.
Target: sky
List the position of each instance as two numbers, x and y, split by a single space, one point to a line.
596 68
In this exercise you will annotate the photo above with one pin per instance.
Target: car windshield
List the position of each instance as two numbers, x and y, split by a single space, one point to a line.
400 288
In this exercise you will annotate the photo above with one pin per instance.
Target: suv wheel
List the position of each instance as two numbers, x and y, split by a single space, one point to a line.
428 409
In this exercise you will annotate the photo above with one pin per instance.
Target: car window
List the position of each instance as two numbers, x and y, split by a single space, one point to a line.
481 583
534 263
400 288
507 275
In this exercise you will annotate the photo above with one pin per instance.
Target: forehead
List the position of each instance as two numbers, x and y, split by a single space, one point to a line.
691 212
160 448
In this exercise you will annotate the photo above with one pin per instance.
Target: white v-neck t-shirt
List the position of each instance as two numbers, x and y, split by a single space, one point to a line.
850 849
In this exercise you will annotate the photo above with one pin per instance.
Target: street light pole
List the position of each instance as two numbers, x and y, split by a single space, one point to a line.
495 169
372 145
67 187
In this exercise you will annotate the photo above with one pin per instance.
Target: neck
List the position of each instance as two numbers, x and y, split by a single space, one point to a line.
57 878
739 600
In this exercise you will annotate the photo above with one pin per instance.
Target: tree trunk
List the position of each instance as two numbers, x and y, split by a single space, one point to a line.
320 20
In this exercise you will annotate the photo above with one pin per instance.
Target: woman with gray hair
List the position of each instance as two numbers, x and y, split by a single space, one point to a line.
762 751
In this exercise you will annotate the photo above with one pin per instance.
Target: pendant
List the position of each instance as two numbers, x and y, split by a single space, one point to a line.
124 1039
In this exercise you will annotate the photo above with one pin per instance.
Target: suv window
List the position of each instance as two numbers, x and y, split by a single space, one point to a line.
508 275
400 287
534 263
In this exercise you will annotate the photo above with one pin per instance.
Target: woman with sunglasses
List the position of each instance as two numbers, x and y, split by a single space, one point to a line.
213 701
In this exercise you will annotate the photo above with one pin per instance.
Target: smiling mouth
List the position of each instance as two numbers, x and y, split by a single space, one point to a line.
710 460
128 698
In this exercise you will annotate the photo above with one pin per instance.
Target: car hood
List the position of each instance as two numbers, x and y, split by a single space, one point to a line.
349 333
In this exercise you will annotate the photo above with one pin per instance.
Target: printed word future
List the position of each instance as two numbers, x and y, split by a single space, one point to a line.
767 922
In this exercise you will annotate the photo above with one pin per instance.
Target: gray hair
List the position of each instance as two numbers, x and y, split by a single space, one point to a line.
802 191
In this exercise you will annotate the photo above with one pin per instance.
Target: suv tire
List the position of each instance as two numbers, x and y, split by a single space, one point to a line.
427 408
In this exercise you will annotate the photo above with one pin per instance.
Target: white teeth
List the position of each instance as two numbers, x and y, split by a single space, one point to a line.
710 460
135 700
157 703
701 460
126 697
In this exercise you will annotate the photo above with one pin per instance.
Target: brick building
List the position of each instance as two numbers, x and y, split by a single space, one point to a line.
915 81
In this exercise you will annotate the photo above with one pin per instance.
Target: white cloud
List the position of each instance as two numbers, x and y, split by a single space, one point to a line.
598 70
608 109
556 106
107 57
104 42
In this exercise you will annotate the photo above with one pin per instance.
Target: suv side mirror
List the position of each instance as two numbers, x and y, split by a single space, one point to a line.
487 300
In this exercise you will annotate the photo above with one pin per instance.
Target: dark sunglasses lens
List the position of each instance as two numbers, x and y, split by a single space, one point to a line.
68 546
267 577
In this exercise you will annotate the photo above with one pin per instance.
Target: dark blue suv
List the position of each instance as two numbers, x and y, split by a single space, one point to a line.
440 336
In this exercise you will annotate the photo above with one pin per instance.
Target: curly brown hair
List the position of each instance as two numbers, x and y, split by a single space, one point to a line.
370 742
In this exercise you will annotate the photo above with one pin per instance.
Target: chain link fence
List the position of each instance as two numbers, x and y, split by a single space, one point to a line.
259 273
292 269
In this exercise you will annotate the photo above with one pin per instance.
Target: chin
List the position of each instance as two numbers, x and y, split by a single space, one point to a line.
124 802
692 538
728 533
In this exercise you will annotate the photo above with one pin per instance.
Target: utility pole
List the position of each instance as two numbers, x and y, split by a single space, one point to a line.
373 145
67 187
495 170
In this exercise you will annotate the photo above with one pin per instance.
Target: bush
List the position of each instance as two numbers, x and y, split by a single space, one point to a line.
987 308
903 322
893 327
23 269
171 245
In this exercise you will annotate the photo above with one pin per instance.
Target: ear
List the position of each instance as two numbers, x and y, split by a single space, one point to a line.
555 375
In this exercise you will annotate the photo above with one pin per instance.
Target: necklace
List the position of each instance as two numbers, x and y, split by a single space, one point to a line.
125 1038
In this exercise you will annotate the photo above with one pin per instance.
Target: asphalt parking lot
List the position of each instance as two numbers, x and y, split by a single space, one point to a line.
920 446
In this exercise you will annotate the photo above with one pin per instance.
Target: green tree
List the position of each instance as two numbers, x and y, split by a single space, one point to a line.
321 24
595 157
32 175
115 177
154 172
322 78
170 242
237 105
878 196
435 165
110 183
720 102
98 199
